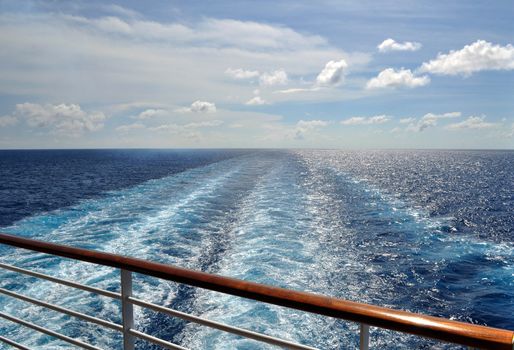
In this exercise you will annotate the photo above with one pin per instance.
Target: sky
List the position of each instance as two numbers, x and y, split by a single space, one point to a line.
266 74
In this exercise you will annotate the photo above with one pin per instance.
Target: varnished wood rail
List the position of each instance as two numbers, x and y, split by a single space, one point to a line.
427 326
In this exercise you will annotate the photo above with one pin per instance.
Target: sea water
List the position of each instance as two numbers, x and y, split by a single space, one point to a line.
423 231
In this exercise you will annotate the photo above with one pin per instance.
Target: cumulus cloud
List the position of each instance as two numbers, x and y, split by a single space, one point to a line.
256 101
278 77
303 127
397 78
241 74
391 45
8 120
431 120
199 107
378 119
63 118
478 56
332 74
472 123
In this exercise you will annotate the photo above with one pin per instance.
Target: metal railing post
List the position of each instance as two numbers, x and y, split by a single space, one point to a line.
364 337
127 309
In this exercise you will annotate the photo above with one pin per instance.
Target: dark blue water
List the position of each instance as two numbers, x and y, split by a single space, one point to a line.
425 231
37 181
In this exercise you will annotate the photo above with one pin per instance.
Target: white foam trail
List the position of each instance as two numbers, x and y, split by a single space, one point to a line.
122 222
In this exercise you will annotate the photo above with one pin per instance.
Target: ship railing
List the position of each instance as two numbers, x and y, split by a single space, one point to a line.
471 335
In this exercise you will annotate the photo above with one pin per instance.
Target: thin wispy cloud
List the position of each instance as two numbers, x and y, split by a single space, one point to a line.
8 120
241 74
130 127
271 78
472 122
175 128
151 113
256 101
378 119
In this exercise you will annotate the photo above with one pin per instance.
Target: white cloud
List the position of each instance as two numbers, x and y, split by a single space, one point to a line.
406 120
178 128
478 56
120 10
256 101
252 34
113 24
378 119
277 77
199 107
148 59
204 124
241 74
397 78
171 128
64 118
295 90
151 113
130 127
332 74
472 123
8 120
215 32
303 127
391 45
430 120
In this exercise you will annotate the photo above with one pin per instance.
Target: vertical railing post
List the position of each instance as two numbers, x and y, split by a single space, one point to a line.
127 309
364 337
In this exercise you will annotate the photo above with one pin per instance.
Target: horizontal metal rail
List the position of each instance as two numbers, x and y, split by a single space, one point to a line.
13 343
417 324
62 281
49 332
63 310
155 340
223 327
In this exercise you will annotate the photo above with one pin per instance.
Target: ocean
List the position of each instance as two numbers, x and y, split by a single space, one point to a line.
420 230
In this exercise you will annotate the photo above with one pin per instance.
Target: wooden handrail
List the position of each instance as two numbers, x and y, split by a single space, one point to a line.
426 326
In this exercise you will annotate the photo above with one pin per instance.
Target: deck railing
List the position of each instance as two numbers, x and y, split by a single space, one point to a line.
367 315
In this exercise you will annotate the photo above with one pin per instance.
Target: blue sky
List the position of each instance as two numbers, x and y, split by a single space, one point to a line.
328 74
